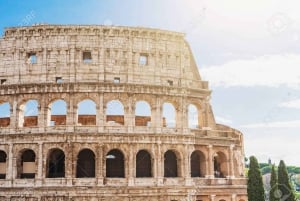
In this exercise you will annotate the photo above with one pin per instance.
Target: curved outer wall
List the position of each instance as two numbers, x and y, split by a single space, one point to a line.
46 63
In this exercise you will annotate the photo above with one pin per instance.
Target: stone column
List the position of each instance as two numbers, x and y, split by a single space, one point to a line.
99 164
212 197
160 165
233 197
178 119
231 163
71 111
40 164
129 115
41 113
131 167
158 115
210 171
69 164
185 117
187 170
13 113
10 168
101 114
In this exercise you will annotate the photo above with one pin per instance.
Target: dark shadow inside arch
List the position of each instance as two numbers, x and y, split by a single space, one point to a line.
85 164
143 164
197 164
28 165
56 164
115 164
2 164
170 164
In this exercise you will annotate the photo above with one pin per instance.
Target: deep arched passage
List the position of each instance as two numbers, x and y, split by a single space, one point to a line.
56 164
220 165
142 114
85 164
3 157
4 114
197 164
27 165
143 164
170 164
115 164
86 113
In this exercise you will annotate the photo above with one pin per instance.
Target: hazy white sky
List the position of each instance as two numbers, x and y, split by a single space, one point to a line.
248 50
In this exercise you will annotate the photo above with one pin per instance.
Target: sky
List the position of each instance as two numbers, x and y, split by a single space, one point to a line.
248 50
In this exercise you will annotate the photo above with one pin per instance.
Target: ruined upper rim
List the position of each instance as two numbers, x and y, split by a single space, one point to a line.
76 27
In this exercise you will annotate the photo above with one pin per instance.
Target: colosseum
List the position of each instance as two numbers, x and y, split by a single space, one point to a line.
90 113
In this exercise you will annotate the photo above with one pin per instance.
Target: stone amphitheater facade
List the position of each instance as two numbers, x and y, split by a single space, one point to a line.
96 144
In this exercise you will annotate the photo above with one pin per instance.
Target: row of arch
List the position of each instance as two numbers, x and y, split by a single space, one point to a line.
114 163
87 111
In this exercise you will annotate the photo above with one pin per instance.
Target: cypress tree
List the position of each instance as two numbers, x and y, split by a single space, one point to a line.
255 187
274 193
284 185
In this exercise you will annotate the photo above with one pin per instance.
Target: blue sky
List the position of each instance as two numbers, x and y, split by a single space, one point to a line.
248 50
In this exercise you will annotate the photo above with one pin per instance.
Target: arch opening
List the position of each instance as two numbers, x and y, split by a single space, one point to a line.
143 164
115 113
56 164
27 165
29 113
142 114
115 164
198 168
169 115
193 116
86 113
3 157
220 165
85 164
4 114
170 164
57 113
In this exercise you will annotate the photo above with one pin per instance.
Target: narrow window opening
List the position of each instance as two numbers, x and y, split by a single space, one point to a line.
170 82
87 57
117 80
143 61
58 80
32 58
3 81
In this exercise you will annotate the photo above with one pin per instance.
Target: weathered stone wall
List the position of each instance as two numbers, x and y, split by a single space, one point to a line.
74 63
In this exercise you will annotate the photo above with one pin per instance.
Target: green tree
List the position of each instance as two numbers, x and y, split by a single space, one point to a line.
273 196
255 187
284 185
